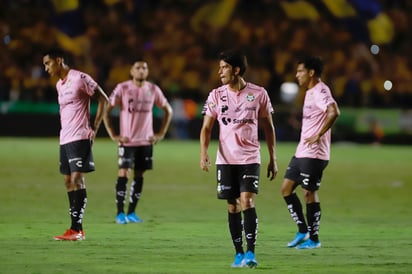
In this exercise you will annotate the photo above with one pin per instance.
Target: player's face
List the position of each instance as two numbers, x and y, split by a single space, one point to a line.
226 73
51 66
139 71
302 75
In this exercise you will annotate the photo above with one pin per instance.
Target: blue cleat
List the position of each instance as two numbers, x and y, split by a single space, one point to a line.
133 218
121 219
250 259
308 244
299 238
239 260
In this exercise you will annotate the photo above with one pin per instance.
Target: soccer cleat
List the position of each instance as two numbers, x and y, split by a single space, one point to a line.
250 259
299 238
71 235
239 260
308 244
133 218
121 218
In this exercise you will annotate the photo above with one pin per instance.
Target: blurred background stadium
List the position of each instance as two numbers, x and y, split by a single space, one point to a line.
365 45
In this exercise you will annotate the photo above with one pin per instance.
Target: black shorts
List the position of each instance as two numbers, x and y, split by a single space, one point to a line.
234 179
138 157
76 156
306 172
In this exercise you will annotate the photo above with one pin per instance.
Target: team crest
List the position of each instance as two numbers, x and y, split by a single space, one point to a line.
250 97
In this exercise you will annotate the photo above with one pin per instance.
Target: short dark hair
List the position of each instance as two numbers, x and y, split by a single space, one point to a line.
313 62
55 53
235 58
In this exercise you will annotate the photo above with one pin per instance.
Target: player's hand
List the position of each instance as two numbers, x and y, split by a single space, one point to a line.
120 139
156 138
313 140
205 162
272 170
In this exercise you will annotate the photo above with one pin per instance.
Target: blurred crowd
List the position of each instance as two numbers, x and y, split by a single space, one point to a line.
181 40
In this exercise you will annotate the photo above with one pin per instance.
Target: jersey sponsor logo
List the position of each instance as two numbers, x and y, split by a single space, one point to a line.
235 121
224 108
226 121
243 121
250 109
133 105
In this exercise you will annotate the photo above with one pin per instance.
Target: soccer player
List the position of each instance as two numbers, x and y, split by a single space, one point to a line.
312 154
74 89
239 107
136 98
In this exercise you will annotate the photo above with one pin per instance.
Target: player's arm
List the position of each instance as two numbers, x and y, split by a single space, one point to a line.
103 101
332 113
168 112
205 136
266 123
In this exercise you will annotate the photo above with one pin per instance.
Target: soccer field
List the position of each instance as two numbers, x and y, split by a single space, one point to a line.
366 224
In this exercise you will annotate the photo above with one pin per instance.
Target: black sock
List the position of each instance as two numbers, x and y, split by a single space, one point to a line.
120 193
296 212
313 214
236 229
71 196
251 228
79 206
135 192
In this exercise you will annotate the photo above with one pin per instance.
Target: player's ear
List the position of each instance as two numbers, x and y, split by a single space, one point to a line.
236 70
59 60
311 72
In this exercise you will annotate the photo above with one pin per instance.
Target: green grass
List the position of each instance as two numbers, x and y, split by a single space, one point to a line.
365 228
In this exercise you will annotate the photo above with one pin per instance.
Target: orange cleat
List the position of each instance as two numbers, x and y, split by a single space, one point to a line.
71 235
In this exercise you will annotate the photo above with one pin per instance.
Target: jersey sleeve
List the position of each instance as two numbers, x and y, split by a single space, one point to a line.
115 97
265 105
210 106
324 98
160 99
89 84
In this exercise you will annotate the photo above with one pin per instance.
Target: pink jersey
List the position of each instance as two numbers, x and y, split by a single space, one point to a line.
74 94
136 106
237 114
316 102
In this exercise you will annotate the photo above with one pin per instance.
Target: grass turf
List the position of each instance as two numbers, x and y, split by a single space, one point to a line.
365 227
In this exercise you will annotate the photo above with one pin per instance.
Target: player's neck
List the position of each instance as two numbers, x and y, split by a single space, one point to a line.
139 82
63 72
238 84
313 82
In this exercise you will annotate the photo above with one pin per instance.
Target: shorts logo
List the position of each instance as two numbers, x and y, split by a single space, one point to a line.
221 188
78 161
256 184
305 181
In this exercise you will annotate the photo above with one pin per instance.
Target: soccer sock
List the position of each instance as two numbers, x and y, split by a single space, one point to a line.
296 212
236 228
251 228
120 193
79 206
313 215
71 196
135 192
